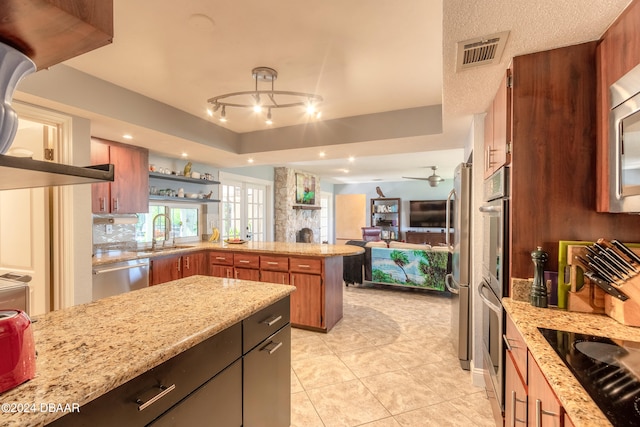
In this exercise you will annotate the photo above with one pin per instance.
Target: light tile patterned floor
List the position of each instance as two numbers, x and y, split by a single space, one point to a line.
388 363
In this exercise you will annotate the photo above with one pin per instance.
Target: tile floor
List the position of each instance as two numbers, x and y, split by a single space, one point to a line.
388 363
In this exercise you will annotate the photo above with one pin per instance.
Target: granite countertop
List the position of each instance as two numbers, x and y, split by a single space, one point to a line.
87 350
579 406
272 248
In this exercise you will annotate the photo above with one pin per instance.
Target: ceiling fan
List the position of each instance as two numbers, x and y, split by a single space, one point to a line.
434 179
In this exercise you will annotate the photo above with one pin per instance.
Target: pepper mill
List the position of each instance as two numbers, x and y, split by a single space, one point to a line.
538 295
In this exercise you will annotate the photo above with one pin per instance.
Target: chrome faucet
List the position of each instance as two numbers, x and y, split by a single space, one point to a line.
153 230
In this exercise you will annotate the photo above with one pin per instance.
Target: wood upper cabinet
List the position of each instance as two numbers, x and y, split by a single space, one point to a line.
618 52
129 192
497 128
52 31
194 263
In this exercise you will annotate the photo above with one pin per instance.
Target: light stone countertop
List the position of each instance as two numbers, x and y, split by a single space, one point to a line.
271 248
579 406
87 350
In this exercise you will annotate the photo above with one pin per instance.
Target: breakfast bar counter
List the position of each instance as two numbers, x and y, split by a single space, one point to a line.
87 350
275 248
577 403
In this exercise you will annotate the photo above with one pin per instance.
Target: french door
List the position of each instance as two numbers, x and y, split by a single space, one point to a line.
244 210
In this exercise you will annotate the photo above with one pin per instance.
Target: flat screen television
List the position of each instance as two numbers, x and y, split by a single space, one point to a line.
429 213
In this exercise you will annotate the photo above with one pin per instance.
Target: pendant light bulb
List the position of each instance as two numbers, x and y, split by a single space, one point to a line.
257 107
269 121
223 115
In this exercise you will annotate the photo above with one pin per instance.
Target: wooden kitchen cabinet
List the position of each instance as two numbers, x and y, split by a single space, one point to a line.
52 31
544 409
194 263
165 269
497 128
553 157
618 52
515 395
274 269
129 191
221 264
306 301
246 266
528 399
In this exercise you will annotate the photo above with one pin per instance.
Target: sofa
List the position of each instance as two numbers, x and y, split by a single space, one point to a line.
398 264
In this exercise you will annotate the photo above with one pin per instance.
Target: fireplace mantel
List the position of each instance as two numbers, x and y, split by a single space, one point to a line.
307 207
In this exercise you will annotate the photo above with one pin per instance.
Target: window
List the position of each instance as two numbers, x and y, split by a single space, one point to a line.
185 223
244 208
326 213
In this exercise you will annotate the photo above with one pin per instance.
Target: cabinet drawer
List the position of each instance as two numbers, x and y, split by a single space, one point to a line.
187 371
220 399
221 258
246 260
517 347
306 265
264 323
274 263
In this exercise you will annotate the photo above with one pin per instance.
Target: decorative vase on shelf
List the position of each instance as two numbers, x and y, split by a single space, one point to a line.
14 65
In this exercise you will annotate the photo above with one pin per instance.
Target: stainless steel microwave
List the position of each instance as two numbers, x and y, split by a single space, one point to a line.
624 143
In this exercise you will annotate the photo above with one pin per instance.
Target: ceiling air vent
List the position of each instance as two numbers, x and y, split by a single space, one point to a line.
481 51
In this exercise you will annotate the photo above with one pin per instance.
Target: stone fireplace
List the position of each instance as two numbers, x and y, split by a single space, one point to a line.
291 218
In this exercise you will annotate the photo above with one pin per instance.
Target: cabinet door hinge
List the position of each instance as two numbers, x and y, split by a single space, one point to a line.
510 81
48 153
509 144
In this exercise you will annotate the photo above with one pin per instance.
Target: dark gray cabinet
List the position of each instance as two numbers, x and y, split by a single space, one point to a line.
267 367
243 371
216 403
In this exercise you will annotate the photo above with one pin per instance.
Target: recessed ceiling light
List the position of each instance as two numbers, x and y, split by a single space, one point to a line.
250 160
352 159
322 154
184 154
127 136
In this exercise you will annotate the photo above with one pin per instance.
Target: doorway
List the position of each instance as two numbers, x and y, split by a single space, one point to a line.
25 221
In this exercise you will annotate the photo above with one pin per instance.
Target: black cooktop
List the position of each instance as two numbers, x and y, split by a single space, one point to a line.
595 362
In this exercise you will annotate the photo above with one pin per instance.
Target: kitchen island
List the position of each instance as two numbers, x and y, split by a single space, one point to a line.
314 269
88 350
577 403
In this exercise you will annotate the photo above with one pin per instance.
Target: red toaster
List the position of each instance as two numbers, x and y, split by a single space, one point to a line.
17 349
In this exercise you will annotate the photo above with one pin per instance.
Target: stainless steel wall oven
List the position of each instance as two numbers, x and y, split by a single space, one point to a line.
495 212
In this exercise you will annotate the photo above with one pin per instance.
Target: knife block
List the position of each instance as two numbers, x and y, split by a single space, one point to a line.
589 299
626 312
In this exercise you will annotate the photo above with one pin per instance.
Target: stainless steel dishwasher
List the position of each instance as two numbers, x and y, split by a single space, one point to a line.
119 277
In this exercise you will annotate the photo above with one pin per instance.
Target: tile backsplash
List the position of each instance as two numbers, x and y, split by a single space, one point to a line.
114 232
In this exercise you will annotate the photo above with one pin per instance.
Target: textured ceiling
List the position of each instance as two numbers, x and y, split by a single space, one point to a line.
362 56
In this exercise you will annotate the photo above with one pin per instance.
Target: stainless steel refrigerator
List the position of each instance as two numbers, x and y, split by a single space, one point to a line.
459 241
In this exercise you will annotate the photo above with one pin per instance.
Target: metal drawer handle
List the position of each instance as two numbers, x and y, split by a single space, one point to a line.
272 263
221 258
272 347
126 267
304 266
507 342
163 392
272 321
515 400
540 412
244 261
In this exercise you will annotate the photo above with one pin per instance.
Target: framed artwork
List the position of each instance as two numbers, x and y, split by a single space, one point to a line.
305 189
